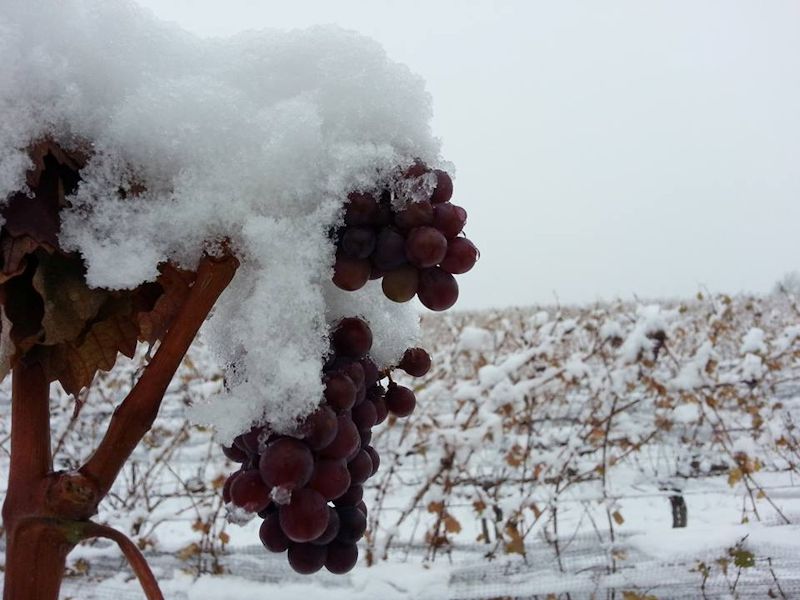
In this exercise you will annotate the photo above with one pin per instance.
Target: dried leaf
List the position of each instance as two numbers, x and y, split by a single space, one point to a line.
68 302
515 545
75 363
617 516
451 524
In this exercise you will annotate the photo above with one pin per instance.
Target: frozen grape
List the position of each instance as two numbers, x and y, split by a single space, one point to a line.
416 362
358 242
390 250
401 284
360 467
449 219
364 415
444 187
375 458
331 531
331 478
305 517
352 337
340 391
286 463
351 274
352 524
341 557
346 441
351 497
249 492
416 214
425 246
307 558
400 400
438 289
235 454
461 256
361 209
319 428
272 535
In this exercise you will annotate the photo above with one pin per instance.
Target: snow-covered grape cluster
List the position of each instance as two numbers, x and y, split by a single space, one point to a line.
416 250
308 486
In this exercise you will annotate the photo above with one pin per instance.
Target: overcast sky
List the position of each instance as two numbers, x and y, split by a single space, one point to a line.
603 149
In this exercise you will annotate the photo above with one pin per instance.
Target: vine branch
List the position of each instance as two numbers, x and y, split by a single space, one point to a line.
134 417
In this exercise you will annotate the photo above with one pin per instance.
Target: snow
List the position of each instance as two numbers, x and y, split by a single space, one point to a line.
753 341
256 139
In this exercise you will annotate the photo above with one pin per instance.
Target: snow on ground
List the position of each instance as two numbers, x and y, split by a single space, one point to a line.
550 454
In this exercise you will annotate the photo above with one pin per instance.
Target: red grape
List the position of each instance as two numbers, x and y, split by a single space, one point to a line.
331 478
307 558
444 187
286 463
319 428
272 535
375 457
305 517
360 467
371 373
340 391
341 557
351 497
352 337
331 531
352 524
226 487
400 285
415 214
350 274
346 441
361 209
461 256
366 437
449 219
381 412
358 242
425 246
235 454
390 250
438 289
400 400
416 362
249 492
364 415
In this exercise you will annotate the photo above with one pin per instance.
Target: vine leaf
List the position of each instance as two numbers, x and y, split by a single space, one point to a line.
74 363
69 304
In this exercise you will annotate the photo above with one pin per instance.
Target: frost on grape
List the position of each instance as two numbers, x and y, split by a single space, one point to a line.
256 140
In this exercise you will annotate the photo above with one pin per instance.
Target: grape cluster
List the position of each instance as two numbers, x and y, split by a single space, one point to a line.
415 251
308 487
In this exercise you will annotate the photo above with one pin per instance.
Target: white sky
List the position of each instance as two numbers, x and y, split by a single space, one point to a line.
602 149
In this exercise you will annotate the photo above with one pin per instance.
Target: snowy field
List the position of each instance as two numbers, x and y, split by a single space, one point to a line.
551 454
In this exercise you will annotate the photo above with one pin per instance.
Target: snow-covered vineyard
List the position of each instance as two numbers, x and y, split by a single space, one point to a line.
618 450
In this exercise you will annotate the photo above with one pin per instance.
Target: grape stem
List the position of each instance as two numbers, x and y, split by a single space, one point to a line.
135 558
134 417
